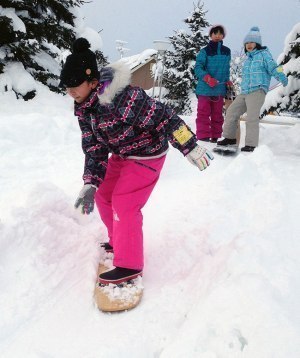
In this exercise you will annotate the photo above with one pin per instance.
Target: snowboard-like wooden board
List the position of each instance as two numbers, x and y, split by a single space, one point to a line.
114 298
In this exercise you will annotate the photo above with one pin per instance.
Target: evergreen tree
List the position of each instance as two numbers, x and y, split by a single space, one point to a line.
179 79
236 65
35 33
287 99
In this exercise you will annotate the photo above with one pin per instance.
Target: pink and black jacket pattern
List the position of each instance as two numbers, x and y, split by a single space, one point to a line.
123 120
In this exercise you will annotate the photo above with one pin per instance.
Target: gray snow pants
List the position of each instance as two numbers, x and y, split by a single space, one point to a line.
250 103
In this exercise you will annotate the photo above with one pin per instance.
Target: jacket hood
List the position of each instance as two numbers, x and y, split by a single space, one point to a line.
215 43
255 51
121 79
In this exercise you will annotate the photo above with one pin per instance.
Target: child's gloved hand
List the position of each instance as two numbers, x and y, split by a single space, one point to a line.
86 199
212 82
106 74
200 157
284 82
281 76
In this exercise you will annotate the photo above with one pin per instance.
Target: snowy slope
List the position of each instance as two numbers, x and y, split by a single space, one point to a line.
221 249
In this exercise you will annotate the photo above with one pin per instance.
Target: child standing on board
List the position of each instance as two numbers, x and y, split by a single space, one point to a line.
257 71
125 135
212 71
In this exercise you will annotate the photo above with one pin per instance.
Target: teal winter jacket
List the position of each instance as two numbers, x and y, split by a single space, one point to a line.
258 69
214 60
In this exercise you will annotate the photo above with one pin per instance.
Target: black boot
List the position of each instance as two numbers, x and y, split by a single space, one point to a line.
204 139
226 142
107 247
247 148
119 275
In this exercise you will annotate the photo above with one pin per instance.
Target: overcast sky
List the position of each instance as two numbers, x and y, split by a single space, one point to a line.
139 22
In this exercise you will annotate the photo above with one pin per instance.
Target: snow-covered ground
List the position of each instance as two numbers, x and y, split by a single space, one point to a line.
221 248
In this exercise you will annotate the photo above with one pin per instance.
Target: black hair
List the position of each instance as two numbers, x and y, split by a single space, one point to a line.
258 47
215 30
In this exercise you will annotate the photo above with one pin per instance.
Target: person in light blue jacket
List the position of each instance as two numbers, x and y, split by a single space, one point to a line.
257 71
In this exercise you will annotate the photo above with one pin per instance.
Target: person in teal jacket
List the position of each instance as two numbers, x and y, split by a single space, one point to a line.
212 71
257 71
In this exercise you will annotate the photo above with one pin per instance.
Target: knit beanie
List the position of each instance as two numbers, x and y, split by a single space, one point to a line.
213 27
253 36
80 66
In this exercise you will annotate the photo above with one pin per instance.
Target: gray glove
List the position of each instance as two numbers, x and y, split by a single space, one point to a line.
86 199
106 74
200 157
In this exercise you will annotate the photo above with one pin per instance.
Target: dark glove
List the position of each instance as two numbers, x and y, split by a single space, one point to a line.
106 74
86 199
284 81
212 82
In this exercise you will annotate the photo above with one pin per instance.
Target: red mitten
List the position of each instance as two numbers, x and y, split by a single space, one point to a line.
212 82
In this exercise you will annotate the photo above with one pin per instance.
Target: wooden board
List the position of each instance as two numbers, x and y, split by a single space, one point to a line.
114 298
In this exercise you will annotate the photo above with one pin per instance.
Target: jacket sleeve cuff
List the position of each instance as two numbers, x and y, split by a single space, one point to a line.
92 181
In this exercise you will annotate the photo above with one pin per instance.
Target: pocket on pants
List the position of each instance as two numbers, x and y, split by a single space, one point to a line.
148 168
144 165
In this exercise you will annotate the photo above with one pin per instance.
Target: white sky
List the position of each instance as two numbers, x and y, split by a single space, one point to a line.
139 22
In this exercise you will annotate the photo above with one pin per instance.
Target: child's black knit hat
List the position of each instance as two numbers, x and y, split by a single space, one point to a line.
80 66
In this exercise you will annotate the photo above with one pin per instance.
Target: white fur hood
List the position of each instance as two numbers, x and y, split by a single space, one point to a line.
122 78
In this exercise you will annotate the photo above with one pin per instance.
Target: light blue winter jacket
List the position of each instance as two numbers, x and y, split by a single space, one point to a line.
258 69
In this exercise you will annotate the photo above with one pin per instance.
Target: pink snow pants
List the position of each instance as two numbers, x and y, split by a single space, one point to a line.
210 118
126 188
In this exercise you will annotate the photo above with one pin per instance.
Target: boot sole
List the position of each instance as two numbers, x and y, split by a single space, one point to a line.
120 280
225 149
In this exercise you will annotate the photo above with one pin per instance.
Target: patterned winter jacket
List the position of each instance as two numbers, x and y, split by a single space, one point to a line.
124 120
257 71
213 59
